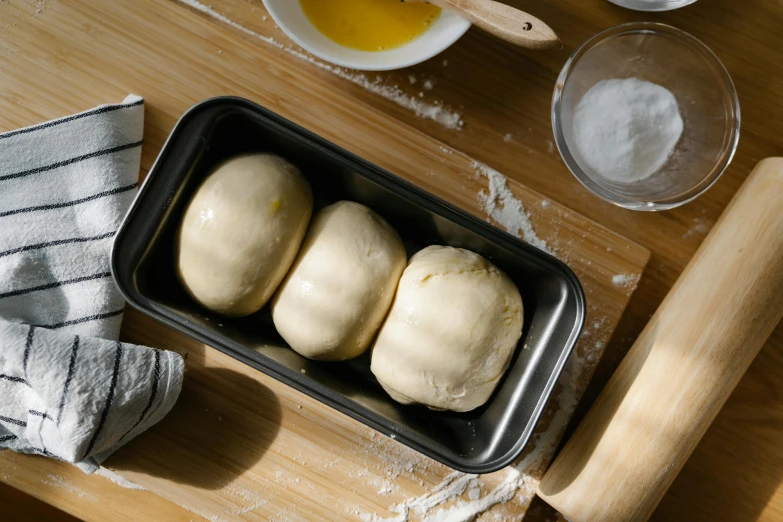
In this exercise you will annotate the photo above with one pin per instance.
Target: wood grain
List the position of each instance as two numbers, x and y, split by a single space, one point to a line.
682 368
87 497
735 472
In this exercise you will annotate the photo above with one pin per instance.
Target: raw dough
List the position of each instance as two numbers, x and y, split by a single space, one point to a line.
341 286
241 232
451 332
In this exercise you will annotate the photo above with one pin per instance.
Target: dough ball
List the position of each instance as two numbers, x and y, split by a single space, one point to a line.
335 297
452 329
241 232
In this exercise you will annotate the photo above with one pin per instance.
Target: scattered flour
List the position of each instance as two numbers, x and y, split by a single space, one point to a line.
508 138
286 515
625 280
502 206
429 85
433 111
453 486
700 228
117 478
397 459
386 487
60 482
468 511
250 501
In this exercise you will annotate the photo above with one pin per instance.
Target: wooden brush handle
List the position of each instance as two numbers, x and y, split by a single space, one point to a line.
505 22
678 374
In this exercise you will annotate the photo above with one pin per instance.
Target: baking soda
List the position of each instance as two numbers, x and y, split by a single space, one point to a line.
627 129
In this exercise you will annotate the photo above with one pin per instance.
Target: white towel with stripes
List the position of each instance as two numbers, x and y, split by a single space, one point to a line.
68 388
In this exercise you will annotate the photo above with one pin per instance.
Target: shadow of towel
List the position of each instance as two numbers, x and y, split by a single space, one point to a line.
220 427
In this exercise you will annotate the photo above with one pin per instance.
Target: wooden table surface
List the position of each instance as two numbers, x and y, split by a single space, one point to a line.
502 96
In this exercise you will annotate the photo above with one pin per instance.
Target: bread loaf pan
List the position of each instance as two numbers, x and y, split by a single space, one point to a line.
479 441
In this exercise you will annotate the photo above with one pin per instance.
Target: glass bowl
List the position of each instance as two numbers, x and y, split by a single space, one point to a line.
705 95
652 5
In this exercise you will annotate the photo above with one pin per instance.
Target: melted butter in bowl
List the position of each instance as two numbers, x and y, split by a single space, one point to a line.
370 35
370 25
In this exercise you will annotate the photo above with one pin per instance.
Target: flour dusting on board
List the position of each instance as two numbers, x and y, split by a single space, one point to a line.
244 499
398 460
118 479
58 481
443 496
505 209
432 111
625 280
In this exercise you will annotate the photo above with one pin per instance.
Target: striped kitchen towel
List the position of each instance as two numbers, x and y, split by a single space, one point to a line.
68 389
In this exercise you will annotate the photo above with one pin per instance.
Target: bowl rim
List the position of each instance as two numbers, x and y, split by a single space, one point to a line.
657 5
427 53
731 142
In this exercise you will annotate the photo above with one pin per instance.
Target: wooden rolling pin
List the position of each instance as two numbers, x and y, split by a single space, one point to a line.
671 385
505 22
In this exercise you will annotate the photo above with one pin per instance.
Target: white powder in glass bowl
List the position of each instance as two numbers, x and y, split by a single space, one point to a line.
627 129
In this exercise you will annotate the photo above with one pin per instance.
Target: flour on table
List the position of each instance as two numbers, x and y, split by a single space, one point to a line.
508 138
397 460
625 280
247 500
505 209
118 479
700 228
60 482
433 111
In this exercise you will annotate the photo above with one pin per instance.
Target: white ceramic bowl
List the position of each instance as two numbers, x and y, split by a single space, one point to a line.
291 19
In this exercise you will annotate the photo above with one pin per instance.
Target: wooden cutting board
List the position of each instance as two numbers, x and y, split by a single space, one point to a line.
239 445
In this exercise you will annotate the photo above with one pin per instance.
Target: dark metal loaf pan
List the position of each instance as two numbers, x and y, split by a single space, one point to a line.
480 441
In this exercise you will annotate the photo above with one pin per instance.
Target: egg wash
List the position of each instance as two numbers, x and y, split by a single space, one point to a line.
370 25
